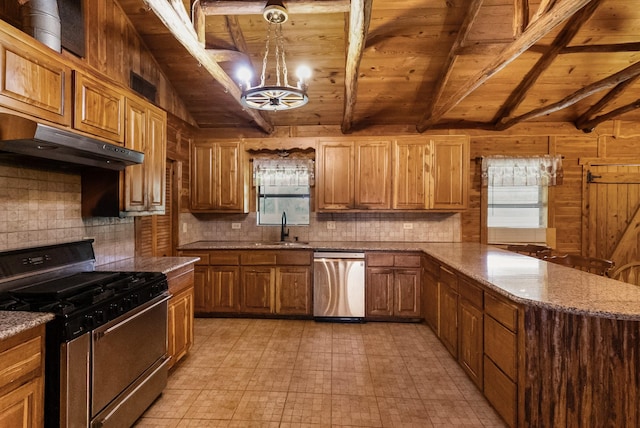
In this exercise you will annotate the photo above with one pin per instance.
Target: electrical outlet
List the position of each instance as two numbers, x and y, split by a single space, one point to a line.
184 227
236 225
331 225
407 226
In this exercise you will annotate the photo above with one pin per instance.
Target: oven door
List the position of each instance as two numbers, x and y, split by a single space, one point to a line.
123 352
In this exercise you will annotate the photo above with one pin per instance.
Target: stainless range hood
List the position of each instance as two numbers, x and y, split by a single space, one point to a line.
27 137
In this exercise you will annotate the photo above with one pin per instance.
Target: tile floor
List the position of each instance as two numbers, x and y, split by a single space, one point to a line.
284 373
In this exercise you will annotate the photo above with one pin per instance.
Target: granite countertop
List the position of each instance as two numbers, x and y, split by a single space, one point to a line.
148 264
523 279
12 323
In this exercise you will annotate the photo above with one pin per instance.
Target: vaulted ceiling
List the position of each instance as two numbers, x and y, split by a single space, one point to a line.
428 64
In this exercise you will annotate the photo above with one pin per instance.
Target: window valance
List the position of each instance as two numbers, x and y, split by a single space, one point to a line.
283 172
501 171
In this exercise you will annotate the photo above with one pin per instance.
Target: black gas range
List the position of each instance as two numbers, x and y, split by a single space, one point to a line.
106 353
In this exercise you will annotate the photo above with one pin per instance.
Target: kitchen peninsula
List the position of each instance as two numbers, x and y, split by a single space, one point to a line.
548 345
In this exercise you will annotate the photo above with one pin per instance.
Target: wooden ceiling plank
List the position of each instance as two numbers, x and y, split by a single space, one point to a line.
562 39
297 7
534 32
447 69
226 55
187 37
628 73
581 122
589 125
359 18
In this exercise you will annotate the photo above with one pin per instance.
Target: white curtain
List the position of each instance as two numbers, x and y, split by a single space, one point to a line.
283 172
501 171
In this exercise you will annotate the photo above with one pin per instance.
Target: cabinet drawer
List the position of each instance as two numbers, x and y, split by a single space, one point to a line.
180 279
500 346
258 258
406 260
504 312
393 260
449 278
21 362
500 391
204 257
470 292
431 266
300 258
379 259
224 258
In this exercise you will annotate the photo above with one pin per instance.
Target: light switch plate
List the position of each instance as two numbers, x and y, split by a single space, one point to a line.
236 225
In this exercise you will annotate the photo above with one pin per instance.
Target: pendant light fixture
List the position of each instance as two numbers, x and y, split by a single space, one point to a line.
279 96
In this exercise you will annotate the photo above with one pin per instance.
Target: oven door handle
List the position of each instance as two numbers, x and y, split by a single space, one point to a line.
100 334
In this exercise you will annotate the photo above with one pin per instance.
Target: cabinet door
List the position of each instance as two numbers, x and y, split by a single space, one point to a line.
229 180
335 176
470 350
379 292
373 175
201 176
293 290
34 83
411 175
450 172
99 108
430 293
256 289
201 289
407 293
136 139
155 160
180 325
224 286
448 318
23 407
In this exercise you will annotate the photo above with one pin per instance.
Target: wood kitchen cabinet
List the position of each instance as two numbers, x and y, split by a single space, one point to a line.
470 330
22 379
32 78
99 107
180 313
217 177
431 173
393 285
430 292
354 175
448 310
216 281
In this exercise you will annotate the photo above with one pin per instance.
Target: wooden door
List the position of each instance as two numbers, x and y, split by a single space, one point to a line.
224 286
229 179
155 160
373 175
293 290
335 176
256 287
407 293
202 171
612 211
379 291
411 175
450 171
136 138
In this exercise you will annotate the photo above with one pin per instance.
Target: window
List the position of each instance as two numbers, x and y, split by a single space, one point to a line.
283 186
517 206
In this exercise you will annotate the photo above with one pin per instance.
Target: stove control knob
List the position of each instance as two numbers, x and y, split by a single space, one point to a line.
89 322
114 309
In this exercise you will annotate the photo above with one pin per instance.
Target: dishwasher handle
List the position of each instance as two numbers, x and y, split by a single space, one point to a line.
338 255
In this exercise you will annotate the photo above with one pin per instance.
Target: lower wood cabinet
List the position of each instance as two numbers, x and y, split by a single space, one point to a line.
393 285
430 292
448 310
22 379
180 313
470 330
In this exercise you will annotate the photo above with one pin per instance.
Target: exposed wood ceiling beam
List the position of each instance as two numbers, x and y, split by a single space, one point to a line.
359 18
543 8
187 37
600 105
612 48
520 16
562 39
590 124
224 55
628 73
199 21
297 7
447 69
534 32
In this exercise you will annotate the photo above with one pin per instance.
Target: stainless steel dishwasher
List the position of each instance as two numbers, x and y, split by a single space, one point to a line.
338 286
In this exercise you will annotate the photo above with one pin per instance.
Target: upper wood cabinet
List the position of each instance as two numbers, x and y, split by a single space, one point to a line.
33 80
145 183
431 173
217 178
99 108
354 175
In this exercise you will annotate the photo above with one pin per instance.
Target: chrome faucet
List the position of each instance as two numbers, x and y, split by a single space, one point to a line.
283 234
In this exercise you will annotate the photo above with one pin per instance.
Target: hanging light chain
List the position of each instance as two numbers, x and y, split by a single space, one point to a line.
285 73
266 55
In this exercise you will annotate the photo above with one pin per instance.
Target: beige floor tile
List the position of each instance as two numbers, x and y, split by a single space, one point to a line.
313 409
260 406
311 381
394 385
230 379
355 410
320 343
386 364
184 377
245 359
173 403
253 424
349 363
272 359
270 380
342 345
203 423
283 344
313 361
451 413
437 387
381 346
215 404
403 412
156 423
351 383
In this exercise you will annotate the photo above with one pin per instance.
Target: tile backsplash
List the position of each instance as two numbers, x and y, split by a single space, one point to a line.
40 207
401 227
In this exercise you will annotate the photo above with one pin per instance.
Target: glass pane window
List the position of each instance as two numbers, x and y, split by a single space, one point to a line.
517 206
292 200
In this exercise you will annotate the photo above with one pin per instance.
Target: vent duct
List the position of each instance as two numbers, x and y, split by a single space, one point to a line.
40 18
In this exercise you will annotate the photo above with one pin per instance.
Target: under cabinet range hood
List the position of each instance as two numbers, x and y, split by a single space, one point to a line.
27 137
